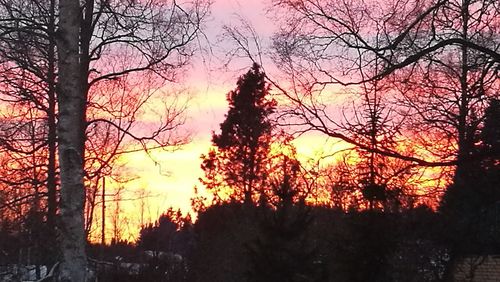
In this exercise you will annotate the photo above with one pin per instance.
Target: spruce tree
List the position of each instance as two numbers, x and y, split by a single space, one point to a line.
490 137
283 251
471 205
237 162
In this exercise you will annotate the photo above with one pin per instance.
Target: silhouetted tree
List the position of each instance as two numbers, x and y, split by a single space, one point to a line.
384 182
155 50
222 230
167 233
283 250
158 237
467 201
80 46
237 163
470 204
490 137
442 72
166 242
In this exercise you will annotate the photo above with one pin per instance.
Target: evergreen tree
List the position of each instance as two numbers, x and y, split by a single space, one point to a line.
238 160
167 242
283 251
158 237
470 205
490 137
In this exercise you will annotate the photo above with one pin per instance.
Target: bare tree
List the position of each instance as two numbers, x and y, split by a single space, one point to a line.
410 44
28 92
154 37
117 96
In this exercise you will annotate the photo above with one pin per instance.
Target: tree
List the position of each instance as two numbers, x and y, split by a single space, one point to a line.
328 50
409 46
490 137
161 236
28 92
106 31
283 252
116 96
71 134
162 240
470 204
383 181
439 59
239 161
114 48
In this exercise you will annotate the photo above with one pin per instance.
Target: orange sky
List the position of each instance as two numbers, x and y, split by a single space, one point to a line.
170 182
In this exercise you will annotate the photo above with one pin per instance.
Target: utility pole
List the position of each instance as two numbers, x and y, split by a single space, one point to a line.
103 231
103 215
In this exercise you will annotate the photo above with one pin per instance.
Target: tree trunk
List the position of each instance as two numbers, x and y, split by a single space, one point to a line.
465 141
71 133
51 121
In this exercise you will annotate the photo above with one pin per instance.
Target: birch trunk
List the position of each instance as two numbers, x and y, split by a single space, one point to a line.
51 122
71 134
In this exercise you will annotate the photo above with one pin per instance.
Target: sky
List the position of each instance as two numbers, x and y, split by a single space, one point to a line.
208 85
167 179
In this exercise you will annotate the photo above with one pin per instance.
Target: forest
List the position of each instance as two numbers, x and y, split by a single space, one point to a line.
408 90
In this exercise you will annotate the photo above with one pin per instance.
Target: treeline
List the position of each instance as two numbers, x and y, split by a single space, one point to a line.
411 86
296 242
273 218
290 241
264 225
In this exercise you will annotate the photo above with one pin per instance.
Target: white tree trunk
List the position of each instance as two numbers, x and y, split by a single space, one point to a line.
71 134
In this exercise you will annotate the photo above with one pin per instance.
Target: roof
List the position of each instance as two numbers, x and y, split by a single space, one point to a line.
478 268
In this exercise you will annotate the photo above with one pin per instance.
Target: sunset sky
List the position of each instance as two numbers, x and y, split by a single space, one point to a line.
329 120
170 181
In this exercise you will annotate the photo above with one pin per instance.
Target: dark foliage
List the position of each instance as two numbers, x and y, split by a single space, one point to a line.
242 146
167 243
29 242
9 242
471 204
490 137
283 251
235 242
221 231
158 237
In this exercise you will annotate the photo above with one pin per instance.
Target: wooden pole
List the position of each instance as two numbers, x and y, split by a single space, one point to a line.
103 220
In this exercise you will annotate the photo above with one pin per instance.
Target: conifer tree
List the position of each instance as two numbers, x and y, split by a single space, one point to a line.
490 136
470 205
283 251
237 163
